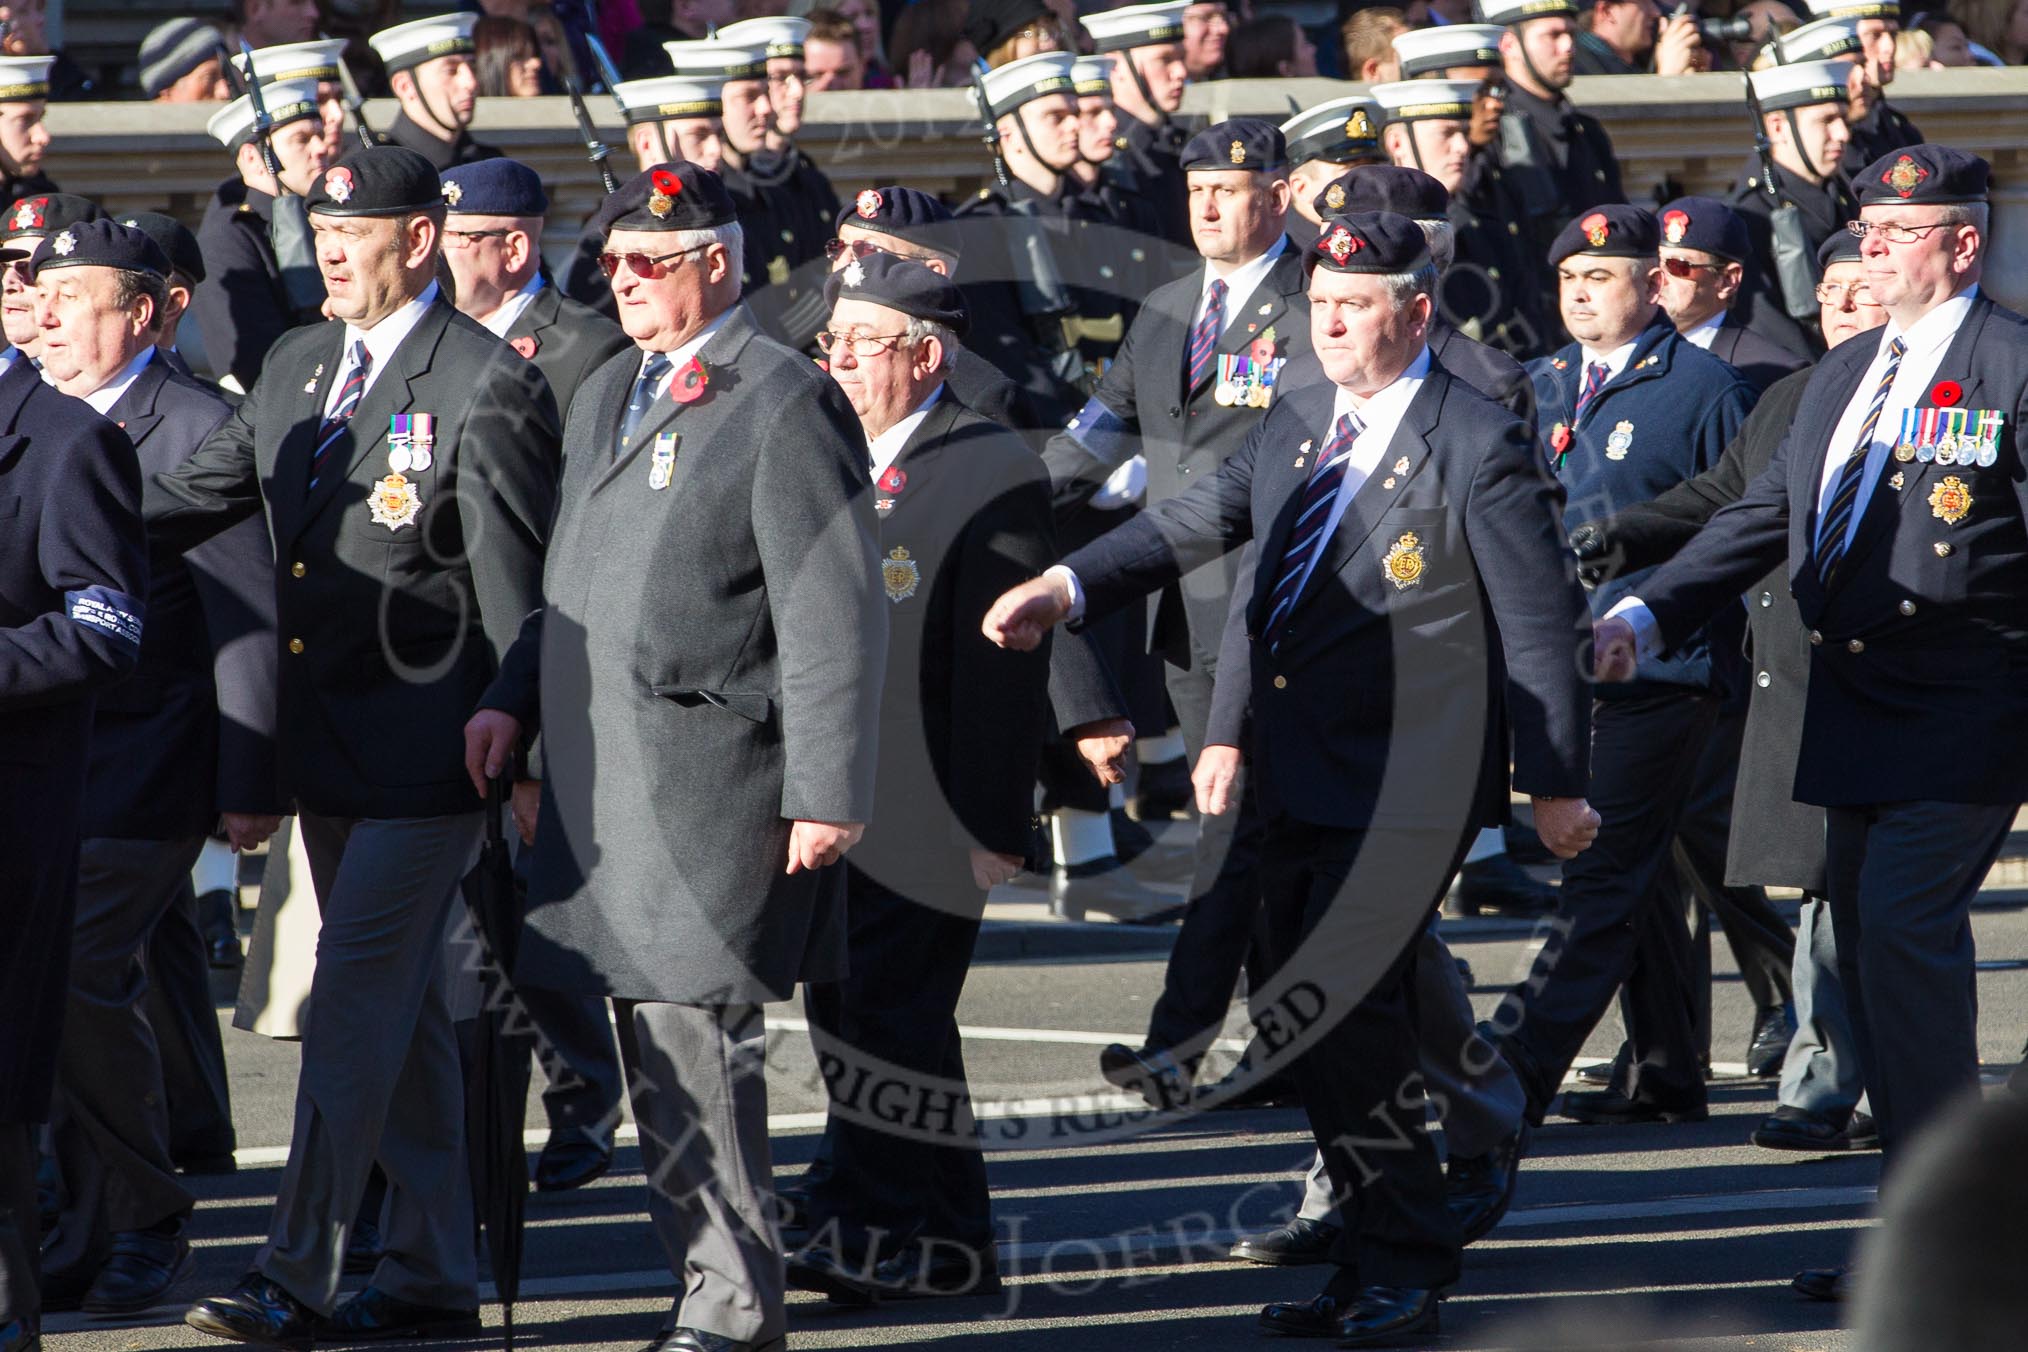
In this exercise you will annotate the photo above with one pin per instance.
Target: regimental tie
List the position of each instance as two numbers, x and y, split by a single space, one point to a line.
1313 515
332 430
1204 338
1834 526
643 398
1595 375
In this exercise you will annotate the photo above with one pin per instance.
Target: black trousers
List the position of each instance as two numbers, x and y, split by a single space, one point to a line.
1644 758
185 1021
1221 929
893 1029
20 1228
1333 899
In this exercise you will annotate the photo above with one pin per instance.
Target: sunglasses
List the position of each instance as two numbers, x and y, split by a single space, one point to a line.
648 267
835 249
1683 267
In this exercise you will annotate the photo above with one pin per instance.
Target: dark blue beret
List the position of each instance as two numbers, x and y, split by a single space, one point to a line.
905 213
498 187
1368 241
902 285
1840 246
1924 176
376 181
674 196
1242 143
173 237
1616 231
47 213
1706 224
1385 187
102 244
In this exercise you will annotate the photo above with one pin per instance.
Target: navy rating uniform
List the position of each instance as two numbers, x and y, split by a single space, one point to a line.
1665 415
1833 34
73 579
1147 157
1445 582
410 46
1907 564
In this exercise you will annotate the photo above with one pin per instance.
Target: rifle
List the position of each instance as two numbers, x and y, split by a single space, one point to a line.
992 136
594 149
356 105
1795 262
289 222
610 74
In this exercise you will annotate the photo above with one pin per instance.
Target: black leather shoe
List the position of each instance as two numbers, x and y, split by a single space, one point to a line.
1797 1129
1241 1088
1497 885
363 1250
571 1158
1769 1047
17 1336
1316 1317
373 1316
697 1340
1102 889
938 1271
1300 1243
831 1275
143 1267
216 912
256 1311
1382 1314
1481 1188
1156 1076
1830 1284
1862 1133
1609 1107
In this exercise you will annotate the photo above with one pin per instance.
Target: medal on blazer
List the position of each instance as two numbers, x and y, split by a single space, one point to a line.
1621 441
1904 445
411 438
662 461
1404 564
393 502
1925 437
1951 422
899 574
1990 421
1950 501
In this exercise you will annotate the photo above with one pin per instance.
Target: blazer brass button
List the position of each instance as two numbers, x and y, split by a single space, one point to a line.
1766 599
1908 607
1763 680
297 569
295 645
1856 646
1281 682
1816 636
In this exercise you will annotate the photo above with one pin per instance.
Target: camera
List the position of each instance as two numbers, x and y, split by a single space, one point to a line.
1714 31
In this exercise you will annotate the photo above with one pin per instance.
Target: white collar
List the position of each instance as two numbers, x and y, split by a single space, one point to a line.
8 357
886 448
383 338
108 394
512 308
691 346
1936 328
1242 281
1615 360
1386 404
1701 335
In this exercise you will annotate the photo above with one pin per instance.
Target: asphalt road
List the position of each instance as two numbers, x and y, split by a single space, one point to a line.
1680 1236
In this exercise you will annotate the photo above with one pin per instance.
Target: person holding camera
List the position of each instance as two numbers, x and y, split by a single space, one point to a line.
1633 37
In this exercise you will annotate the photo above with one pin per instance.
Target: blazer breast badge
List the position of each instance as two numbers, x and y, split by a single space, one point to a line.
1404 563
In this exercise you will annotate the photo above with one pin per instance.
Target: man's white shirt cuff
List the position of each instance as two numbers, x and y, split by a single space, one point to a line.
1647 634
1076 589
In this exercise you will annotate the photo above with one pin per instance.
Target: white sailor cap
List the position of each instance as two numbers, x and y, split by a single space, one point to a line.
669 96
233 125
1800 85
1092 74
1424 51
1117 30
290 62
24 77
1507 13
1421 100
718 59
1855 9
782 35
408 45
1819 40
1032 77
1339 132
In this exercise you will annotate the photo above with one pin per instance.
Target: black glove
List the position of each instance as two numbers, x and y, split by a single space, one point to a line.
1589 542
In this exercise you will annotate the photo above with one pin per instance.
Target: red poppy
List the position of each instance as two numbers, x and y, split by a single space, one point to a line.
690 383
893 481
1261 351
1559 438
525 345
666 182
1946 393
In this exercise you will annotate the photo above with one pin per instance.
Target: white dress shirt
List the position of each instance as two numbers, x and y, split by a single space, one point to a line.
680 358
1927 340
1615 361
381 340
1702 334
885 449
511 308
1240 284
108 394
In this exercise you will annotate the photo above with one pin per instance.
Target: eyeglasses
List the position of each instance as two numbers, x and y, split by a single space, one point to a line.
1683 267
465 239
1853 293
858 344
647 267
835 249
1894 232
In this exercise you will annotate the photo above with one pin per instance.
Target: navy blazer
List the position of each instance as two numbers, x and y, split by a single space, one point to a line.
1448 585
1919 674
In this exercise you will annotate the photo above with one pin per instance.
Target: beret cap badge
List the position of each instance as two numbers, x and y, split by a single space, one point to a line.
1675 224
63 244
1334 196
27 214
1904 176
1359 127
338 184
867 204
667 187
454 192
1238 152
1342 244
1596 228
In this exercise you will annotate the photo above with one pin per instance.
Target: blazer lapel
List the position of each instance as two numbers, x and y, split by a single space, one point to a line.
718 356
134 411
288 503
1406 453
529 329
389 394
1267 307
1283 472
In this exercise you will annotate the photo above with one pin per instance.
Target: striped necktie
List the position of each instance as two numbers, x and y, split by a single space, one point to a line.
1313 514
1835 524
332 429
642 400
1204 338
1595 375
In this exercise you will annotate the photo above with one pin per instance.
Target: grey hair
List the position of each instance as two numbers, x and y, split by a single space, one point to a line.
1403 287
919 329
1975 214
1443 243
729 235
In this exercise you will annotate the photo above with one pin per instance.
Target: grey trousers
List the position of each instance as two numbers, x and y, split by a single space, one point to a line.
696 1075
109 1119
1470 1086
380 1079
1821 1074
